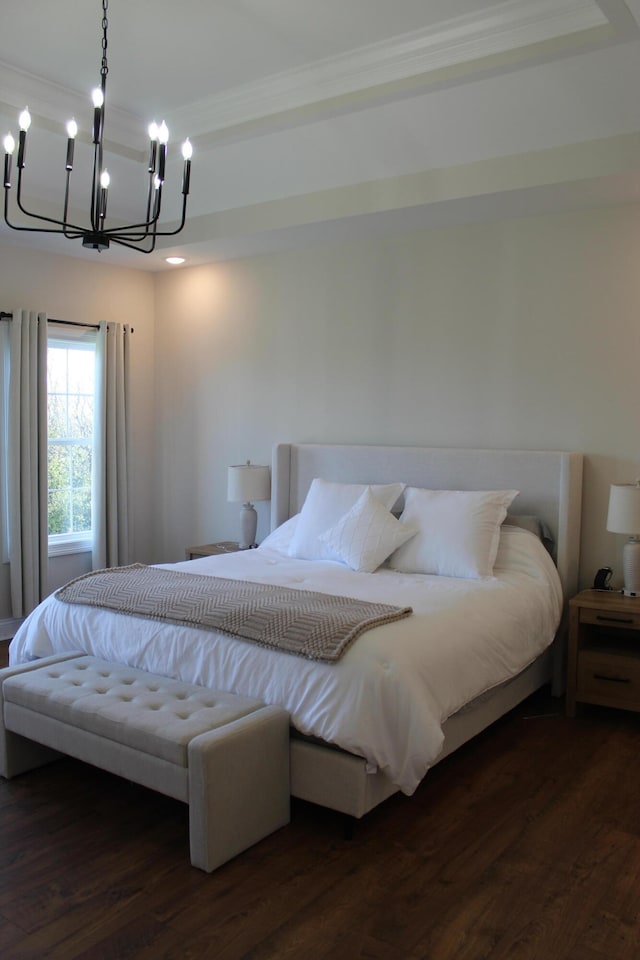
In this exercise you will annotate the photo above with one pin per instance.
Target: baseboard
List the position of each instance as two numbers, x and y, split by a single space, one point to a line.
8 628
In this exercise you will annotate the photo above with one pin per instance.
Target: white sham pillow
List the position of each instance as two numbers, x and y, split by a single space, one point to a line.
280 538
325 504
458 532
366 535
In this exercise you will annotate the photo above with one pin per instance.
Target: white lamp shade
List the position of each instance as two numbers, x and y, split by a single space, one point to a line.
247 482
624 509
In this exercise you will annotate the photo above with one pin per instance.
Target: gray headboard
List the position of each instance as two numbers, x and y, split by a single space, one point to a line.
550 482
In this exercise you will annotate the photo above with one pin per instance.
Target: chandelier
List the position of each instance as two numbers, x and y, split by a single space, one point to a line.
138 236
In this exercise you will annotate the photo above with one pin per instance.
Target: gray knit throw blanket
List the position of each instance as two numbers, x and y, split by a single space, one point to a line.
314 625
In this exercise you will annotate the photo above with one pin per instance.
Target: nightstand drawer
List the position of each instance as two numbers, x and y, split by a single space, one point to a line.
603 654
629 620
609 679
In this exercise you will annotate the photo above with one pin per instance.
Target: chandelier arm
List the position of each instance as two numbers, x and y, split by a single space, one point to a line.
124 229
24 229
144 228
93 192
124 237
34 216
133 246
152 176
145 225
172 233
154 198
65 210
157 206
70 230
95 186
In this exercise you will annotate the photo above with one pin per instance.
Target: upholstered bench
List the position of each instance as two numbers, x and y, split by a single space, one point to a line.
226 756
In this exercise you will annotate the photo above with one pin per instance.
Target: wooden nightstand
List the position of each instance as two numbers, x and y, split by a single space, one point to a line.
212 549
604 650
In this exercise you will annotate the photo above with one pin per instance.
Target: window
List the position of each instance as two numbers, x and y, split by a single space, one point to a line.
71 362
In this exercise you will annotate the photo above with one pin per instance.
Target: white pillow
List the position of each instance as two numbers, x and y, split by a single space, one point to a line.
367 534
280 538
458 531
325 504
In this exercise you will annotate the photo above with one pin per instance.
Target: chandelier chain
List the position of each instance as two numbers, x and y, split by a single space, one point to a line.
104 69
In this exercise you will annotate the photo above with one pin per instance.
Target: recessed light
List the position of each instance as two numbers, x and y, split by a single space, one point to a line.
174 260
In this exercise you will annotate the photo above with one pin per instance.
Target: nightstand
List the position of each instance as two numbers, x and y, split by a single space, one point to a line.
604 650
212 549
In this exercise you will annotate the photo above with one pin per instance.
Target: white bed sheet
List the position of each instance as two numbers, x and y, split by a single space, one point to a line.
388 696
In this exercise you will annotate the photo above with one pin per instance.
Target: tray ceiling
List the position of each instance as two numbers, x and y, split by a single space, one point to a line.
315 121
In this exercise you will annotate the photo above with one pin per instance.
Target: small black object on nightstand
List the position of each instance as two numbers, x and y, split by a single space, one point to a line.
603 579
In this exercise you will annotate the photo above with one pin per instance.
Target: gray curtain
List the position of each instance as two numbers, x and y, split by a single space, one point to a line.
27 456
110 515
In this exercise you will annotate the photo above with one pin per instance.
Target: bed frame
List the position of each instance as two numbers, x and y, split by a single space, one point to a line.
550 485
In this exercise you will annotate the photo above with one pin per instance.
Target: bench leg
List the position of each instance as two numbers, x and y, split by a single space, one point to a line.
18 754
238 786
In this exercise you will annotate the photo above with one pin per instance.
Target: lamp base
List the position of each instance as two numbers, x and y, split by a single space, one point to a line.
631 567
249 525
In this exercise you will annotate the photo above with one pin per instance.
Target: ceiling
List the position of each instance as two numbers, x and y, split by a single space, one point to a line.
314 121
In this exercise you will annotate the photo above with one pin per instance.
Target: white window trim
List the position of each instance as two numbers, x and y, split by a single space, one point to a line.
63 544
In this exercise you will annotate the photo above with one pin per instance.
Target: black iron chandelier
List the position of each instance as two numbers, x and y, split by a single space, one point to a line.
138 236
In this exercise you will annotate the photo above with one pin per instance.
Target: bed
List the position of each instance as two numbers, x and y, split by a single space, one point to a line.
374 722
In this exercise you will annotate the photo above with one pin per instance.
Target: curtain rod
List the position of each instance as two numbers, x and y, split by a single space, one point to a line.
67 323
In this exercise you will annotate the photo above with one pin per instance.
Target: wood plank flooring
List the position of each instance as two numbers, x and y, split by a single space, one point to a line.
525 844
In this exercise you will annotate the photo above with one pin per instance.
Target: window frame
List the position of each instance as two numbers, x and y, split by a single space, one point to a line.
71 338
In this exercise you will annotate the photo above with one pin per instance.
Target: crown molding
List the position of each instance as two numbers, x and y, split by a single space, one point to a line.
505 26
52 104
634 7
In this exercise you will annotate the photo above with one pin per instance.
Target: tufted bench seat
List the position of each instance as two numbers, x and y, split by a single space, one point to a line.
225 755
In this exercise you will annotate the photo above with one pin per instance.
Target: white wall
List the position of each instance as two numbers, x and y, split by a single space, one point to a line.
514 334
87 292
521 333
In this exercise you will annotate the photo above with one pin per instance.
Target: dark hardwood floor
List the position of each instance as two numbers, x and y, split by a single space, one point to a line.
525 844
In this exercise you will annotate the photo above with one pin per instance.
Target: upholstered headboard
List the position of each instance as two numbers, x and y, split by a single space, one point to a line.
550 482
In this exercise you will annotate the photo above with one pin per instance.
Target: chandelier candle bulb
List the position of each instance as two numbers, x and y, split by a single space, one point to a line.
9 146
187 151
157 196
72 130
24 120
163 139
98 102
153 146
105 180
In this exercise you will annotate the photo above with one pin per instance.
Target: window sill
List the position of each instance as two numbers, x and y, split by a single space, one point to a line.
64 548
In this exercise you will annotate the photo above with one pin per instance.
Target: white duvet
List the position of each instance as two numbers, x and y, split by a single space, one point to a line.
388 696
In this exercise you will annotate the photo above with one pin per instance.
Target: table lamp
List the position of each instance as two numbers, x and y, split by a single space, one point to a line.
247 482
624 517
